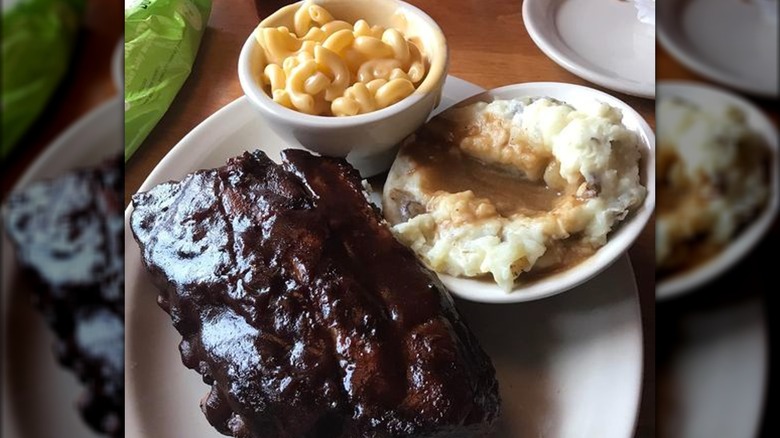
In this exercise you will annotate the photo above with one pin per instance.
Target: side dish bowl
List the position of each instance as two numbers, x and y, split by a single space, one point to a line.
620 238
367 140
740 245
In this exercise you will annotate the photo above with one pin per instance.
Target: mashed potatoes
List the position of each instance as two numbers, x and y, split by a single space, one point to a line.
513 186
712 179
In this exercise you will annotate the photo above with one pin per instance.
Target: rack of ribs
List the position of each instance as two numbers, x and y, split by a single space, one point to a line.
68 237
301 310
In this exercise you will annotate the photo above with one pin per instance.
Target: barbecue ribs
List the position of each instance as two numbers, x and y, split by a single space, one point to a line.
300 309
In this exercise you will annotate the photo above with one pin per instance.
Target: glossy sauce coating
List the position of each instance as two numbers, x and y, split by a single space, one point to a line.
303 312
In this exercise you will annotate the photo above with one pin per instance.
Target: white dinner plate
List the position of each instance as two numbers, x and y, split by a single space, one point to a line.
601 41
714 99
568 366
731 42
715 382
39 396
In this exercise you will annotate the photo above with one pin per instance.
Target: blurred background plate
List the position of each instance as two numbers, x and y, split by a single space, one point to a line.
732 42
601 41
568 366
713 367
709 97
39 397
622 235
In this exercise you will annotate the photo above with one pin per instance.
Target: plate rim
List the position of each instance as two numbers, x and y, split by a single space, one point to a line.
691 61
533 25
637 311
684 283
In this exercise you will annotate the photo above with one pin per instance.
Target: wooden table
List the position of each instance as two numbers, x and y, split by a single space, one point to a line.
489 46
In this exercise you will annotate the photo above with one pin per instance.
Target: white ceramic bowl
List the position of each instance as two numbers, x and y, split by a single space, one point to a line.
369 141
710 97
619 240
614 49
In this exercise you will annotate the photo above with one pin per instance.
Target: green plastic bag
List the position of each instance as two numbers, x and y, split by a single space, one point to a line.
37 42
161 41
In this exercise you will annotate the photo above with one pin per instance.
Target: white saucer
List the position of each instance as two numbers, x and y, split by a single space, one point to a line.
728 41
713 98
601 41
569 365
39 396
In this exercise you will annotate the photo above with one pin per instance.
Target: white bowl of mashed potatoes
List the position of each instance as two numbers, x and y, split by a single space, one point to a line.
346 78
524 191
718 183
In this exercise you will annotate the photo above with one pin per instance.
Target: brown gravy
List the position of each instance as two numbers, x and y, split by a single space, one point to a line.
696 252
559 257
450 170
445 167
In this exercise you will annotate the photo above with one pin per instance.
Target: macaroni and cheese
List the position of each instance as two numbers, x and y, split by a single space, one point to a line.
329 67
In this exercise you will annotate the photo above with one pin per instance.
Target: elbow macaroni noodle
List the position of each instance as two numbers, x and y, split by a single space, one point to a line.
332 68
